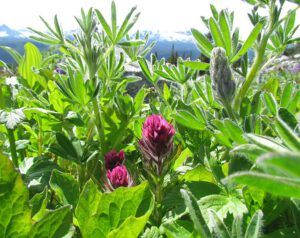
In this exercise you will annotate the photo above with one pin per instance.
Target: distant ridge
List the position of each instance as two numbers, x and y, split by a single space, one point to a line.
182 42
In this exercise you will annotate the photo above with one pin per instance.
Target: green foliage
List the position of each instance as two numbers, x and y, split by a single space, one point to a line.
122 213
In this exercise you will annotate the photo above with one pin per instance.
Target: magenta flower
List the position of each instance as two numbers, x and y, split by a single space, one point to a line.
113 159
157 141
118 176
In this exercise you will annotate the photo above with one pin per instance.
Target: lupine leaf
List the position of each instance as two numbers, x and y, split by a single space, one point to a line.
255 225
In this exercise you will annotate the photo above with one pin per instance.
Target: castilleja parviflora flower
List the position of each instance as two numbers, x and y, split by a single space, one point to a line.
156 143
116 172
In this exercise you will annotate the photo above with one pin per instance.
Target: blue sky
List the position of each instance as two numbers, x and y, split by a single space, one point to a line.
156 15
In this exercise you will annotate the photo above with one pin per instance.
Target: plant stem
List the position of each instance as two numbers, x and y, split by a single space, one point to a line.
98 123
158 201
13 150
40 137
259 58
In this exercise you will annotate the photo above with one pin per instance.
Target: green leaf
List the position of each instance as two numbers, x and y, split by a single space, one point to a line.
195 214
225 29
38 204
222 205
32 60
270 103
13 53
281 186
266 143
255 225
132 43
281 164
67 147
286 95
216 33
124 211
65 187
178 229
249 42
145 69
218 227
15 214
196 65
250 150
113 19
234 131
55 224
187 119
199 173
289 137
204 44
105 25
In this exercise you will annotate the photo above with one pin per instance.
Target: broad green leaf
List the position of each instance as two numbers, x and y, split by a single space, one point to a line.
67 147
222 205
108 214
255 225
204 44
187 119
15 220
55 224
139 100
234 131
32 60
184 155
199 173
65 187
249 42
289 137
282 164
216 33
178 229
39 204
196 65
281 186
196 216
219 229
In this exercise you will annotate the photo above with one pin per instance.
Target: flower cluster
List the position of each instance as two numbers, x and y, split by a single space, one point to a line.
156 143
116 172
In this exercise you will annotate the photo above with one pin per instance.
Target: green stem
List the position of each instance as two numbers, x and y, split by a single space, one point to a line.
158 201
13 150
259 59
98 123
40 137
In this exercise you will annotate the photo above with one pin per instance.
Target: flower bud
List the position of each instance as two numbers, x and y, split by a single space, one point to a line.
118 176
156 143
221 75
113 159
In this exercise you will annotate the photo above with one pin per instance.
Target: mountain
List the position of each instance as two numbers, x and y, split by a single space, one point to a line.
180 42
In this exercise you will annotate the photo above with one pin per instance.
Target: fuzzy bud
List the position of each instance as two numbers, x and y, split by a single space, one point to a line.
221 75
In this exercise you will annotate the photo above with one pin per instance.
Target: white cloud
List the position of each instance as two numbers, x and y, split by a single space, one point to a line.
163 15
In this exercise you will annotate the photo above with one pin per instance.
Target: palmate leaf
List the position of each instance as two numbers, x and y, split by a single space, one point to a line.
122 213
15 213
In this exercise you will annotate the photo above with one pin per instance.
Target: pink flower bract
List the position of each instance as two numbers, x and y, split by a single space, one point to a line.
118 176
157 140
113 159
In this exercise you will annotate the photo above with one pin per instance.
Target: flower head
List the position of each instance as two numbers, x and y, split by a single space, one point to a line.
118 176
113 159
157 141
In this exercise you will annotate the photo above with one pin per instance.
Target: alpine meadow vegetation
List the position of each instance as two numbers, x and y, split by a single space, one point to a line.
206 148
